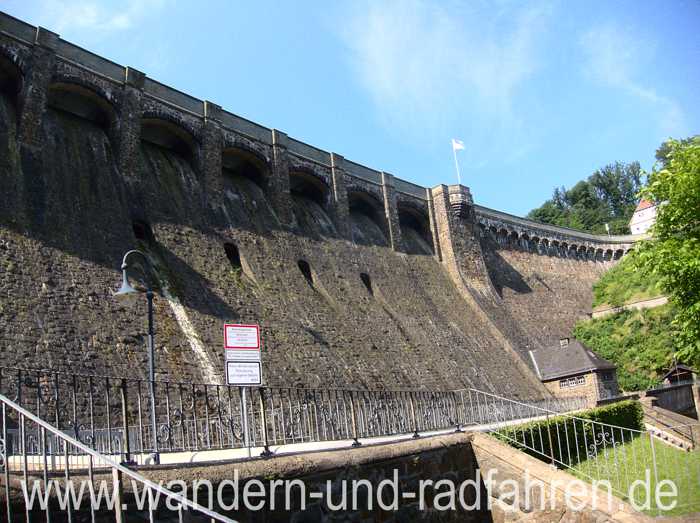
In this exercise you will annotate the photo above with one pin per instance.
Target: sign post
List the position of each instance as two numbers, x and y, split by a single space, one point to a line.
243 366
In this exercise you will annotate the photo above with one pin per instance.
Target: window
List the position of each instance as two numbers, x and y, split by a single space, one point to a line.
142 231
305 269
368 282
574 381
607 376
233 255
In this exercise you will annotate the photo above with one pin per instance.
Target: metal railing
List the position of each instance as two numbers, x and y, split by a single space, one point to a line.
593 450
30 470
112 415
665 386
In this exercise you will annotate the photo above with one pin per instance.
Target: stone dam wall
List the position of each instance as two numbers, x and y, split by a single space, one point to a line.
358 278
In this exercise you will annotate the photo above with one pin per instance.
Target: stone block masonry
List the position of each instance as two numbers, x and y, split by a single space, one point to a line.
402 287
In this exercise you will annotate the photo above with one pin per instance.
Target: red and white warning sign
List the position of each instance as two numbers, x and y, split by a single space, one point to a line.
242 354
241 336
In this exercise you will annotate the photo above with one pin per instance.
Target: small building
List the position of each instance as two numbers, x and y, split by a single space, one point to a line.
571 369
679 373
643 218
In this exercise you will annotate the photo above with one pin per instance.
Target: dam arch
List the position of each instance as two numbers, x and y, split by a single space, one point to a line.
241 161
415 229
307 184
367 219
166 133
11 78
82 101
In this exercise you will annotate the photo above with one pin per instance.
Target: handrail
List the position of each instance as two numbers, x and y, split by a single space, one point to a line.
113 464
111 414
547 411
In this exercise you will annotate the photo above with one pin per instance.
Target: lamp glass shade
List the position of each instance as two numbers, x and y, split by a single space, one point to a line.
126 290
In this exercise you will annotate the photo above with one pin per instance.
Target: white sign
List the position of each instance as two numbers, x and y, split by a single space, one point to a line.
242 355
243 373
246 337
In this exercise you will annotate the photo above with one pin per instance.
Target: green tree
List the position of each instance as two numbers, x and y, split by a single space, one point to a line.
609 196
673 253
662 153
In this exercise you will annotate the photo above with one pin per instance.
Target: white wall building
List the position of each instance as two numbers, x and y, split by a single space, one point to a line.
643 218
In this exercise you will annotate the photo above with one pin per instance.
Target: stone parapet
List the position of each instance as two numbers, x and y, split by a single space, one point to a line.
140 94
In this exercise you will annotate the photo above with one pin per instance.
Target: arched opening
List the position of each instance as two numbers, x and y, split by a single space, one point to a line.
307 186
367 281
618 254
310 196
554 248
368 224
143 232
305 269
415 231
10 79
525 242
502 237
168 135
238 163
535 245
82 102
513 240
233 255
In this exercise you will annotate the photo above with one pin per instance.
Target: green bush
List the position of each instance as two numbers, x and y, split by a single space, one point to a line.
640 343
625 283
570 437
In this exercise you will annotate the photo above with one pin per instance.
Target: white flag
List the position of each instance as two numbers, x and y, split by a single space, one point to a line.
457 145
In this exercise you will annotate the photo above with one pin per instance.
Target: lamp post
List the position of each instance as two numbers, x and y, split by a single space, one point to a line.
127 291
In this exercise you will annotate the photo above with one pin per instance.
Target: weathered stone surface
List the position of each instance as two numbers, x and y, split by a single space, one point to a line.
127 162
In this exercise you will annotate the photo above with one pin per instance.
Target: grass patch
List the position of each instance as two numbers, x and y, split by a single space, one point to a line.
609 444
631 460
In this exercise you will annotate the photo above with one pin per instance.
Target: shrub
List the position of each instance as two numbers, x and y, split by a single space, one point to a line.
640 343
568 439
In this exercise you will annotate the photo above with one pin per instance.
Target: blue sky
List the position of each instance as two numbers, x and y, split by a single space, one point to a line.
542 93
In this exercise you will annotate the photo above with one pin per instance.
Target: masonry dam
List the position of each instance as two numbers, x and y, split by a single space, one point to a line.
357 277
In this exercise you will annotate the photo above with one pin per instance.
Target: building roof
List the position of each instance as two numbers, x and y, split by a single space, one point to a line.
558 362
644 204
678 369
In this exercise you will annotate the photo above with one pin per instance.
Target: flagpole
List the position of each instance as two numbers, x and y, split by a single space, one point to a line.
454 152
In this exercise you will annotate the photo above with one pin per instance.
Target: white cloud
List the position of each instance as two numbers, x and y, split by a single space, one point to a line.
435 66
615 58
97 17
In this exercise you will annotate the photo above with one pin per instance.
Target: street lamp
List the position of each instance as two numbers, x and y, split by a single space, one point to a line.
127 291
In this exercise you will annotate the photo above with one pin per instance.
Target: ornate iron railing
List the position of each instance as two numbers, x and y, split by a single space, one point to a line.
112 415
33 468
